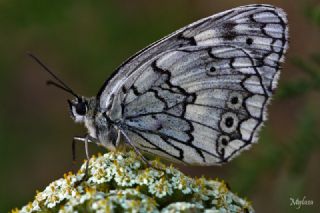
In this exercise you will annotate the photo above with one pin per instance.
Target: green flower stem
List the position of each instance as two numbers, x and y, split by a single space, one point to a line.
120 182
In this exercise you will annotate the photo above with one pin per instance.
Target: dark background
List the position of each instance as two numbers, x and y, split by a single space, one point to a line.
85 41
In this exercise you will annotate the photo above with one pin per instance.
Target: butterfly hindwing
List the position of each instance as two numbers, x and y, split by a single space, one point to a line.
199 96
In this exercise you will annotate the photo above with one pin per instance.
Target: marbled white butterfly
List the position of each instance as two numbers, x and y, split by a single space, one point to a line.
198 96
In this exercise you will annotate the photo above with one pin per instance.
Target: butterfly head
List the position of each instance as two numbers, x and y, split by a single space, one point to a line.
82 109
78 109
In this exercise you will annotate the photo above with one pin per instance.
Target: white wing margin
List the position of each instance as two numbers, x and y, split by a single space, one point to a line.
199 95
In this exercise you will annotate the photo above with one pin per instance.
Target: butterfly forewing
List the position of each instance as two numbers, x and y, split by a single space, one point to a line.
199 95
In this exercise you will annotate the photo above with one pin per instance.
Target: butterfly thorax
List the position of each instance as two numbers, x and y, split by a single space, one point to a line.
89 117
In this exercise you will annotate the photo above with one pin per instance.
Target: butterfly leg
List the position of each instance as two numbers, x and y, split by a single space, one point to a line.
137 151
81 139
87 139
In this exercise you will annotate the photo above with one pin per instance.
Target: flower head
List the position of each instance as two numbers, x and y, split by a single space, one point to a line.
120 181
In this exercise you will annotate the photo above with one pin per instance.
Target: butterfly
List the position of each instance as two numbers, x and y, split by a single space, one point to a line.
197 96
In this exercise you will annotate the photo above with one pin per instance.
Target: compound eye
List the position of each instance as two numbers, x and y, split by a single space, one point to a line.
81 108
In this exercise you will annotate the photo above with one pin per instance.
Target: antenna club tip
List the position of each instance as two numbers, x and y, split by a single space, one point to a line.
29 53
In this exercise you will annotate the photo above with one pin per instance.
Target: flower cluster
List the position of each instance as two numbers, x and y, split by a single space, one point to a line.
120 182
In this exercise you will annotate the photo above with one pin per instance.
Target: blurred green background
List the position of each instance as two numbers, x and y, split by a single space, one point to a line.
84 41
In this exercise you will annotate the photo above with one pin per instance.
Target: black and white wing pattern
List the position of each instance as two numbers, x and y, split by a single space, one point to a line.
199 95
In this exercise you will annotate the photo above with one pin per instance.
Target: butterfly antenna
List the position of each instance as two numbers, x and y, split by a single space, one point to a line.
61 85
